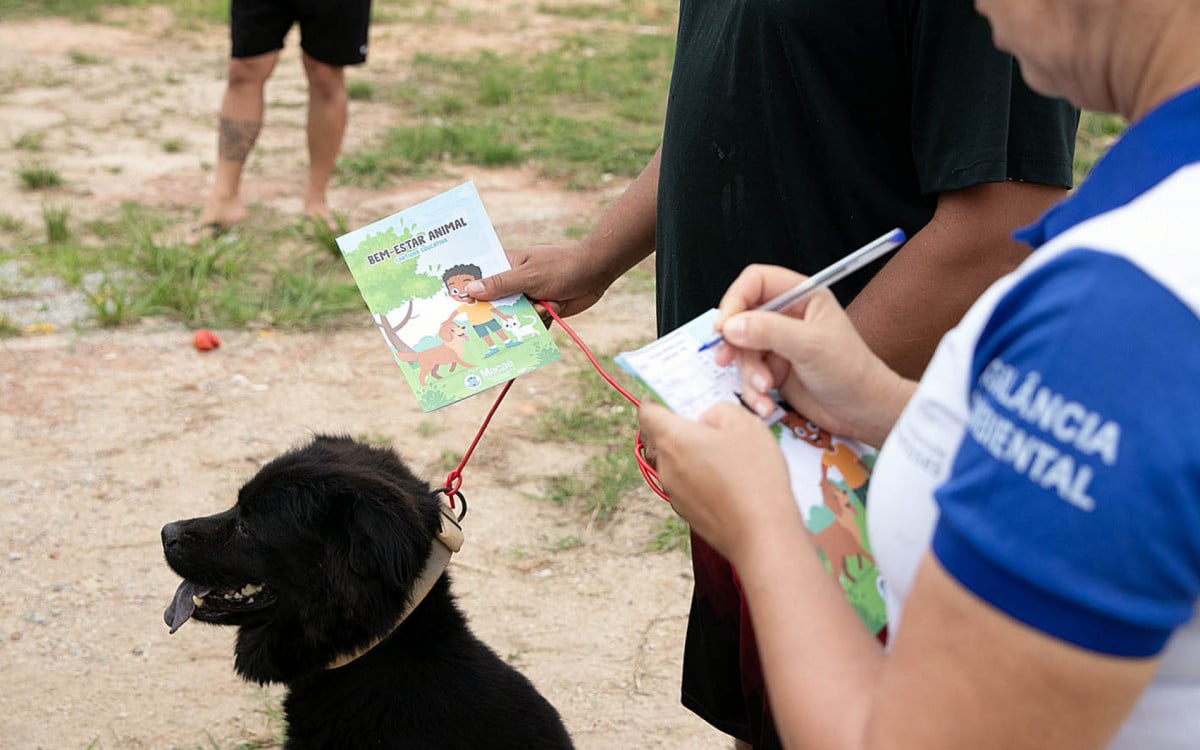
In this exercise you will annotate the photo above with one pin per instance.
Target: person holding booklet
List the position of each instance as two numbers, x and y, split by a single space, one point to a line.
1035 506
794 133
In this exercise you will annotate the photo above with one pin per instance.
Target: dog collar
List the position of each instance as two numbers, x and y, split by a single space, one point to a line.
448 541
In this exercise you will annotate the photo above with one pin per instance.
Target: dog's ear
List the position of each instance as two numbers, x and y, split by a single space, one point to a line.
387 540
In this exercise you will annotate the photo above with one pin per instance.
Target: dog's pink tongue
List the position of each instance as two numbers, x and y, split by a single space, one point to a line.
182 606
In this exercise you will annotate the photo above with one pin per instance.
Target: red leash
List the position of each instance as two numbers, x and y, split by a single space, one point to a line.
454 478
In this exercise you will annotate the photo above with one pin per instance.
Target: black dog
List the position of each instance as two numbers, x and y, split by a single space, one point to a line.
326 550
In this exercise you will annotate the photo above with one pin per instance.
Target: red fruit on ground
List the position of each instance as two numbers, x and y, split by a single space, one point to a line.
205 340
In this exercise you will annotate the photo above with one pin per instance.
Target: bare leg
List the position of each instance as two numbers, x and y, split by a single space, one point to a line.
328 111
241 120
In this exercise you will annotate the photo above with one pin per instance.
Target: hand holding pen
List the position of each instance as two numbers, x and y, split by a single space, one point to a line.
812 354
828 276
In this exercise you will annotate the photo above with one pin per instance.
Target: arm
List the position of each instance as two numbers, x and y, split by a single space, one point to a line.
576 276
931 281
960 673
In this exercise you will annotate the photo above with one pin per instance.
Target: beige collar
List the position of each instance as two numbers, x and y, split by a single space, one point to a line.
448 541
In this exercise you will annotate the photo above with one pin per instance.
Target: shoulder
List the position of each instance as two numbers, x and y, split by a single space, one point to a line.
1071 503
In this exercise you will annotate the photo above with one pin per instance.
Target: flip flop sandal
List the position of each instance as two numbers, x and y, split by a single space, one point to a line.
209 230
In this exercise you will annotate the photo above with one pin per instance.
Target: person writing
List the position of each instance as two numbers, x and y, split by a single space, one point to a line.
794 132
1035 507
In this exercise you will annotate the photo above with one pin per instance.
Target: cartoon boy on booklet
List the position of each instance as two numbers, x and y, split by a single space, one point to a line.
482 315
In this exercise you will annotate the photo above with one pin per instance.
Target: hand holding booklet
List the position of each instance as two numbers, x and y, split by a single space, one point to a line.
829 476
412 269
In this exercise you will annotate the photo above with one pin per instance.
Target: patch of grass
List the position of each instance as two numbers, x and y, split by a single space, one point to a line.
579 230
598 490
360 91
630 11
611 475
448 460
596 415
371 438
562 489
7 328
55 219
1097 133
172 146
79 57
205 285
11 224
639 280
310 296
589 108
127 271
32 141
673 533
37 175
566 543
111 302
94 11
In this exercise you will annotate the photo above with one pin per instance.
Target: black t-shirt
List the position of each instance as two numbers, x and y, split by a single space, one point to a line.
799 130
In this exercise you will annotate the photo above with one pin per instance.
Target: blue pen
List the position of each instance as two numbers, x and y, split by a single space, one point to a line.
834 273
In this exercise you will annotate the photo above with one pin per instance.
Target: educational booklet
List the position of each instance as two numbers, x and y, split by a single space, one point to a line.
412 269
829 475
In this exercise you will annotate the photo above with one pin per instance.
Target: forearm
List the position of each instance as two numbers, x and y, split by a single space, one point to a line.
820 662
625 233
887 403
930 282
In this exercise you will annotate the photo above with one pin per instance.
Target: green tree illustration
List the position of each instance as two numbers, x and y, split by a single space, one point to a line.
379 287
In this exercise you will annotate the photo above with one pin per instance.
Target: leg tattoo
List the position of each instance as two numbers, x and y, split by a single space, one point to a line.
237 138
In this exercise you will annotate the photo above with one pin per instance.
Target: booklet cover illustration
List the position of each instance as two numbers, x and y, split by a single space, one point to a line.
412 269
829 476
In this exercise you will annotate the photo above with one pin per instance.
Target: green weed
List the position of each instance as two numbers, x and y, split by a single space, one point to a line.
360 91
11 224
111 302
172 146
55 219
448 460
672 533
37 175
79 57
7 328
566 543
33 141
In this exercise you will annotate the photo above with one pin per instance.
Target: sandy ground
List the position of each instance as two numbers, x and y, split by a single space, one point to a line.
106 436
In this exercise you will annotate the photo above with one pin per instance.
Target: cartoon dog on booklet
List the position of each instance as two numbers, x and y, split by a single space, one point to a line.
484 317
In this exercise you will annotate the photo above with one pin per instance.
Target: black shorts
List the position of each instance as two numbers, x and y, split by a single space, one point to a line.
331 31
722 675
722 678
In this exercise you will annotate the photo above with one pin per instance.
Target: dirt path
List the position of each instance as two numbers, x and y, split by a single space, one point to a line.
105 436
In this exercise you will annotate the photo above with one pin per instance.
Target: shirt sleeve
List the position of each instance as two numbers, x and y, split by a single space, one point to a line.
974 118
1073 503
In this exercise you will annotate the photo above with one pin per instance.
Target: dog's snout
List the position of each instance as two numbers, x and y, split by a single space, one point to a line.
170 535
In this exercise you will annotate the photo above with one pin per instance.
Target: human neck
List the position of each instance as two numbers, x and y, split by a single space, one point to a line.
1162 61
